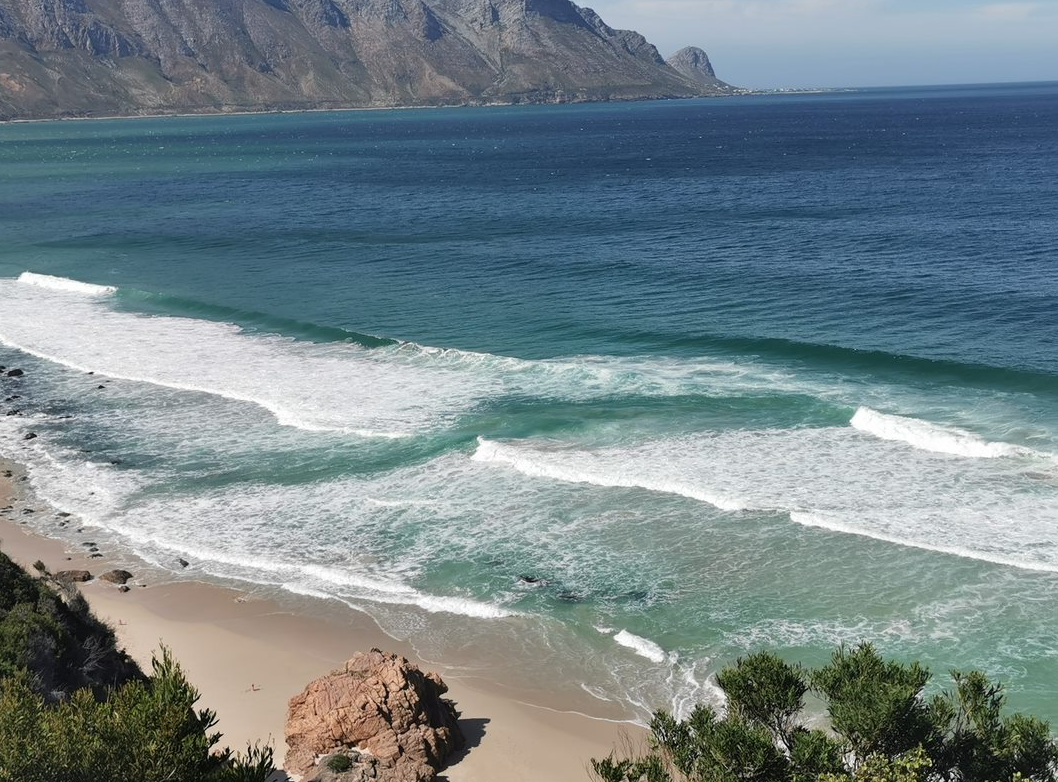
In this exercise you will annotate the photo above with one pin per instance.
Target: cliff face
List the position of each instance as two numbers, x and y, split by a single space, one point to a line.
71 57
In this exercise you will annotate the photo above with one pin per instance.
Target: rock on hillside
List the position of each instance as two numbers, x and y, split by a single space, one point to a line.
99 57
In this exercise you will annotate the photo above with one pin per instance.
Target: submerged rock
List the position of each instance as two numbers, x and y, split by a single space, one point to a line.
379 704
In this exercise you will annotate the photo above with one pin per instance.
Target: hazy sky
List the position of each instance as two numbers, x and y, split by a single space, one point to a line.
835 43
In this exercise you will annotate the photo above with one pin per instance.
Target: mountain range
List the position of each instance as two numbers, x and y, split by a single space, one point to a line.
131 57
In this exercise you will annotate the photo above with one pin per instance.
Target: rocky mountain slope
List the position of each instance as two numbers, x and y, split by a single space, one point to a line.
99 57
694 63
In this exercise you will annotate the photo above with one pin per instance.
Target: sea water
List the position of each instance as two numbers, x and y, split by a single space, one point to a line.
603 395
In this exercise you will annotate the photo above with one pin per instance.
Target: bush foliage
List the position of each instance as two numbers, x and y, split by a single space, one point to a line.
882 729
54 639
75 709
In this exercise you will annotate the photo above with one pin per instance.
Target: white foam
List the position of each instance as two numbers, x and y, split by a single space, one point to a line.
338 387
261 569
834 525
575 466
931 437
644 647
986 509
65 284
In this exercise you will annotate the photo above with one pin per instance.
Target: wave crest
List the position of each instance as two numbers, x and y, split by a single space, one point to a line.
927 436
65 284
644 647
567 467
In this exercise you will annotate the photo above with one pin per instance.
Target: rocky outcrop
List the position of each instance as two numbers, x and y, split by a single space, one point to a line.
84 57
694 63
382 713
73 576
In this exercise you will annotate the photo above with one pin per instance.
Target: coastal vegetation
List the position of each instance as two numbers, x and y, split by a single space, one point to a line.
73 708
881 727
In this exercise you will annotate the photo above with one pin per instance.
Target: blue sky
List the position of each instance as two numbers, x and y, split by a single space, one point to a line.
836 43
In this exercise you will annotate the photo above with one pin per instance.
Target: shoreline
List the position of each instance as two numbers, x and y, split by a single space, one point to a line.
246 112
248 655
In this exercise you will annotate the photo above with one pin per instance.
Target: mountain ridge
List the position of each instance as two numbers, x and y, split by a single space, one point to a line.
132 57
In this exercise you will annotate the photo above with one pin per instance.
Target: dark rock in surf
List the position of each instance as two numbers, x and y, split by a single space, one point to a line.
116 577
182 562
30 436
15 373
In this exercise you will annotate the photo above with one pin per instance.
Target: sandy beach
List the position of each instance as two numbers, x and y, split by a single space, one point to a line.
249 655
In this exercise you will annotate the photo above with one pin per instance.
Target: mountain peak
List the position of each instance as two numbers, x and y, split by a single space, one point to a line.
693 63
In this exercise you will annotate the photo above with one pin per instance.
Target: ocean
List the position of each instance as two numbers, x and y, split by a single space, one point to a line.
593 398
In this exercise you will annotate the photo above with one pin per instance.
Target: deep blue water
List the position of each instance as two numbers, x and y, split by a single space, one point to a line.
769 371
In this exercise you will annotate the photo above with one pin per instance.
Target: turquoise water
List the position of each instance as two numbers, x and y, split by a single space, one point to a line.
608 393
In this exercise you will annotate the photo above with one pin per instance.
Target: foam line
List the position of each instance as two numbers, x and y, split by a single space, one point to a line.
536 465
822 522
364 588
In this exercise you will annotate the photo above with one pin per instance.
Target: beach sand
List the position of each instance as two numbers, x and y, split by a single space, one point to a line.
249 655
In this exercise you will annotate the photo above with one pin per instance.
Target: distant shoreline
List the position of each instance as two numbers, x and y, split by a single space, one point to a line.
319 110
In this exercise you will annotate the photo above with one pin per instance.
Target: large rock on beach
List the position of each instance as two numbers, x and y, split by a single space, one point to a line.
382 712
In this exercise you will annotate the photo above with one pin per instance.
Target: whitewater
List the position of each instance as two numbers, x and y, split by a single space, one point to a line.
610 394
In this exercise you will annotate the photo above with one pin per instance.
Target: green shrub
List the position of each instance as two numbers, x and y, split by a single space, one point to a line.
55 639
339 763
73 708
882 729
144 731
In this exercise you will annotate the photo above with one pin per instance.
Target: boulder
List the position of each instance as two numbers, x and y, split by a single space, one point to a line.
116 576
70 576
378 704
